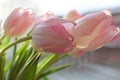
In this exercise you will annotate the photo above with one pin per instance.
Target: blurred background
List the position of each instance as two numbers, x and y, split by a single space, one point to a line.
101 64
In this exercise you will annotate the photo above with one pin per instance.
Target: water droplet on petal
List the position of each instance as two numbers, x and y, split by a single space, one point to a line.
70 38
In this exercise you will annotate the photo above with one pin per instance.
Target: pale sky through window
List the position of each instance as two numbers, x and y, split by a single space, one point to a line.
59 7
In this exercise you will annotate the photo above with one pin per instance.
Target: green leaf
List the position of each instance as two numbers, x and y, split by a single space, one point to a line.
8 66
54 70
21 49
45 64
45 78
29 70
18 65
60 57
5 42
1 38
2 66
14 43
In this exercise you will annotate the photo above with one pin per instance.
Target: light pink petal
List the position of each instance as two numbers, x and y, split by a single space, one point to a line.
25 23
88 23
76 52
116 19
52 37
12 19
115 43
18 22
86 26
44 17
72 15
101 28
68 25
103 38
55 21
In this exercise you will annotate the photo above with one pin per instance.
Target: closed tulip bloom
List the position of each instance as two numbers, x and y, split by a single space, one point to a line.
114 43
44 17
93 31
18 22
53 35
72 15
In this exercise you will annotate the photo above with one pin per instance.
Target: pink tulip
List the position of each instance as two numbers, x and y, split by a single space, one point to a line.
93 31
116 19
114 43
53 35
72 15
44 17
18 22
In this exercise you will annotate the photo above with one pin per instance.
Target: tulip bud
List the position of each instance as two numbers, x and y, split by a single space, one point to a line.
114 43
18 22
44 17
53 35
72 15
93 31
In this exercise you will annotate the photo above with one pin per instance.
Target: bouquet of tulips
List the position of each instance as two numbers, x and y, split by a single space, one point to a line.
37 43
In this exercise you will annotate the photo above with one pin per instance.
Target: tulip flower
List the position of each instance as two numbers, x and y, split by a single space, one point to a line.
116 19
44 17
93 31
72 15
53 35
18 22
114 43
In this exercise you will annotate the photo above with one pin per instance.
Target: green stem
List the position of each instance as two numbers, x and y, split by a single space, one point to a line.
14 51
14 43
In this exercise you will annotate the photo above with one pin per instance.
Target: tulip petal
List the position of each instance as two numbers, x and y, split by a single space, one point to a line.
86 25
14 17
103 38
44 17
115 43
101 28
18 22
68 25
26 21
72 15
76 52
52 37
